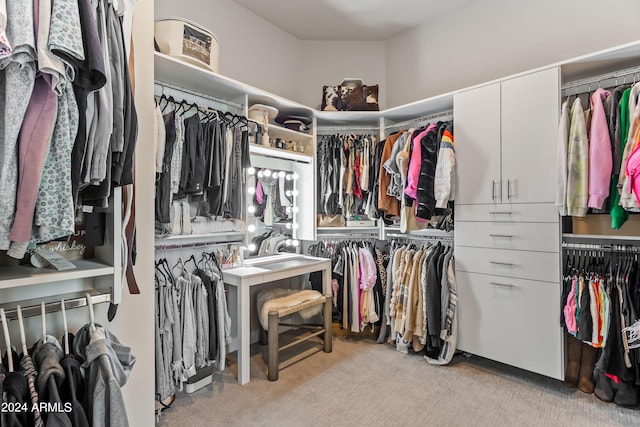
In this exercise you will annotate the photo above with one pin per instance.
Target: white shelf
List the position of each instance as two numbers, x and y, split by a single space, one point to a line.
348 229
276 131
194 78
428 232
24 275
348 118
200 239
280 154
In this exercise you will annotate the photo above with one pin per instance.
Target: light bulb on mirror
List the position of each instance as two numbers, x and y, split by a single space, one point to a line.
288 177
251 209
295 242
252 247
288 225
251 171
288 209
260 174
294 193
267 173
295 226
251 228
288 242
251 190
281 174
295 209
295 176
288 193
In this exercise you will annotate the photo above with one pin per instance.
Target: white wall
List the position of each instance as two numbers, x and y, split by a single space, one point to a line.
252 50
495 38
329 62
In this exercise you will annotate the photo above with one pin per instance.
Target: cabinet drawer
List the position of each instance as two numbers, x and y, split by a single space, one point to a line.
531 236
542 266
512 321
506 212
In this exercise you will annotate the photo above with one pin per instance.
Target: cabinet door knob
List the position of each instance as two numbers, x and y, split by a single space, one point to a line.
506 236
504 285
507 264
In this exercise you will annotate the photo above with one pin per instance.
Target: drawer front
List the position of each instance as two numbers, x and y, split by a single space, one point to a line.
506 212
530 236
541 266
511 321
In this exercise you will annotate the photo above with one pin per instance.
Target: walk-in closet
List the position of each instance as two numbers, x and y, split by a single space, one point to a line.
316 213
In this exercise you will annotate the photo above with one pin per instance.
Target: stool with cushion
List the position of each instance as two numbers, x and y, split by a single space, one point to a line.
274 304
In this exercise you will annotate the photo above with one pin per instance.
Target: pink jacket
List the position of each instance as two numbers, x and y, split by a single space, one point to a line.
415 163
600 160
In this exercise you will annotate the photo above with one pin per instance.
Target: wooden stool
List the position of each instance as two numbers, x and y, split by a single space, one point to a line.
278 303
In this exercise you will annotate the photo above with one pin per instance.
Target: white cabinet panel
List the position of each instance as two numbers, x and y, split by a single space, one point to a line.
544 237
512 321
542 266
506 212
530 114
477 137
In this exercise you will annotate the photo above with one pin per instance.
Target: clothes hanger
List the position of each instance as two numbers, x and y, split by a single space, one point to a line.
92 317
65 326
43 318
22 336
7 339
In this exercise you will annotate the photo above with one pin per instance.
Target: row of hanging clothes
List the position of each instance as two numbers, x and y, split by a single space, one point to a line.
417 177
420 308
193 326
77 383
200 155
68 117
348 167
357 284
597 153
601 302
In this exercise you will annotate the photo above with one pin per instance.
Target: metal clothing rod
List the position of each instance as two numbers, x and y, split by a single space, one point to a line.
602 80
418 237
348 130
352 236
182 91
601 248
444 114
195 245
56 306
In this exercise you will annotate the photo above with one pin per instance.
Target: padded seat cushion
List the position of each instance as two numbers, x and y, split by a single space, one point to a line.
280 299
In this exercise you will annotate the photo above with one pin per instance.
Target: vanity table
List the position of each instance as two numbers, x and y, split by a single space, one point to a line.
263 270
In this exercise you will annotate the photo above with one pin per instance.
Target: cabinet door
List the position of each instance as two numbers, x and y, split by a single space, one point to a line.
512 321
530 114
477 140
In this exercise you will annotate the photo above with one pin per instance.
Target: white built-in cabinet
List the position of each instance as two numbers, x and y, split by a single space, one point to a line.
507 242
505 140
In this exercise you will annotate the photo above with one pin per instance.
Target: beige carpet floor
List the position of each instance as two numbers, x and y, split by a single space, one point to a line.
362 383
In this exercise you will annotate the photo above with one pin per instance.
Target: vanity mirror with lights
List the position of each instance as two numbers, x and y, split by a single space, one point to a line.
279 204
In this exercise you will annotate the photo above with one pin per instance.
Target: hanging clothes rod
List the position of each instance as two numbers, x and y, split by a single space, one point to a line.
420 237
325 237
33 309
374 130
601 80
162 247
442 115
601 247
181 91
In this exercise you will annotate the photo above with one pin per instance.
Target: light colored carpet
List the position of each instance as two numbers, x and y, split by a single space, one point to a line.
362 383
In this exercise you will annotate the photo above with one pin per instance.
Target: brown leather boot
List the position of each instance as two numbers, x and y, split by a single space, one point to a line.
587 364
574 352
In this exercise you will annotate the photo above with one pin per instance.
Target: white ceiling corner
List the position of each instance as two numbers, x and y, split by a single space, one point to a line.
374 20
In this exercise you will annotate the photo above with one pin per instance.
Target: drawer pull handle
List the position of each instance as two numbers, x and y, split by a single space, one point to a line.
506 236
501 263
504 285
500 213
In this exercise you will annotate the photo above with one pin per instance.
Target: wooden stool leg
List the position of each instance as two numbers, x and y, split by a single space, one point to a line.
273 346
327 321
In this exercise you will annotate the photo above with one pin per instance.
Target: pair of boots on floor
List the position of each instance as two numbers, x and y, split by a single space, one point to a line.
581 361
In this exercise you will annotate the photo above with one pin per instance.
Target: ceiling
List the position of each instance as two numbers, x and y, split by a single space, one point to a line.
350 19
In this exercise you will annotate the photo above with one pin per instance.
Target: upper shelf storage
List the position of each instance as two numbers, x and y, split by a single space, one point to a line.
174 71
